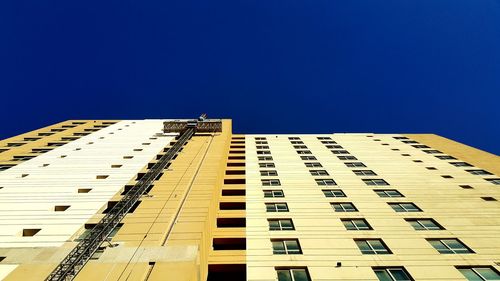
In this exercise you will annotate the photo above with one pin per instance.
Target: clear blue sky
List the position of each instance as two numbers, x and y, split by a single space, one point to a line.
386 66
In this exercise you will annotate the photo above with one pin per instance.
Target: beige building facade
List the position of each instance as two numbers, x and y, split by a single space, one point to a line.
249 207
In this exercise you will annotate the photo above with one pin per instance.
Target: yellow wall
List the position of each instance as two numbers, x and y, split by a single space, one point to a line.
474 156
169 236
173 226
324 239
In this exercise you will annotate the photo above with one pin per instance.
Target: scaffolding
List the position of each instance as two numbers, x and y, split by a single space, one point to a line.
69 267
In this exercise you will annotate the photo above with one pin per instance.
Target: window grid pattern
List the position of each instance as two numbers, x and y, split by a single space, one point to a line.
372 247
356 224
333 193
286 247
424 224
344 207
449 246
276 207
281 224
293 274
475 273
392 274
404 207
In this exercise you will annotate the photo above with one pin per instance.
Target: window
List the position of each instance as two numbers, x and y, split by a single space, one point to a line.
28 232
313 165
334 146
400 138
432 151
14 144
56 144
479 172
4 167
431 168
410 141
449 246
375 182
292 274
356 224
265 158
424 224
364 173
308 158
340 152
388 193
494 181
333 193
354 164
261 152
232 205
228 244
323 182
40 150
262 147
304 152
61 208
417 161
372 247
460 164
276 207
280 224
404 207
344 207
286 247
446 157
296 142
274 193
273 182
392 274
465 186
258 142
233 192
293 138
269 173
476 273
22 157
260 138
45 134
300 147
446 176
350 157
318 173
266 165
420 146
324 138
488 198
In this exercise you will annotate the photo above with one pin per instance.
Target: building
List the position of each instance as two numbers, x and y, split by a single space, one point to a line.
249 207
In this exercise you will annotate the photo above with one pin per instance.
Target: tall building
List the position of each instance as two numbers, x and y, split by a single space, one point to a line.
182 200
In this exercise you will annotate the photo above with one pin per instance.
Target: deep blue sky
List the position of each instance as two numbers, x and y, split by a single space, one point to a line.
274 66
